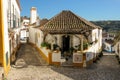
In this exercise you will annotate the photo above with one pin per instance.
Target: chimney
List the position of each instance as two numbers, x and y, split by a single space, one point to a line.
33 16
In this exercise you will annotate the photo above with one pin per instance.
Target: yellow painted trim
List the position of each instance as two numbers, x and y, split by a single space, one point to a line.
2 46
56 63
1 34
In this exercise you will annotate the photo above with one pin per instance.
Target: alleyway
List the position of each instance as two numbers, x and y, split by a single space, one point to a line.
107 68
28 55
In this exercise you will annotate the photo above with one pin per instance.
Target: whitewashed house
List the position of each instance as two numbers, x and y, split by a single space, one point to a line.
9 34
108 42
68 34
107 36
24 33
108 45
25 21
14 10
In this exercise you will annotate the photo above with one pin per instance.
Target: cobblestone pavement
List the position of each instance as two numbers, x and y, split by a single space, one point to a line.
1 72
107 68
28 55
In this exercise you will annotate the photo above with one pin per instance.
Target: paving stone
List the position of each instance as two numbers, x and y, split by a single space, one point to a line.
1 72
107 68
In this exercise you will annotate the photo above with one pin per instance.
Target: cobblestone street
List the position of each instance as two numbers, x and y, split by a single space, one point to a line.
28 55
107 68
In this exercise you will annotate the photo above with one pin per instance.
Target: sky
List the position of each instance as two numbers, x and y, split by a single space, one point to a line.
92 10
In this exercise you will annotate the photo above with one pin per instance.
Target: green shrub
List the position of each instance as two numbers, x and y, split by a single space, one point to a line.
45 44
55 46
85 46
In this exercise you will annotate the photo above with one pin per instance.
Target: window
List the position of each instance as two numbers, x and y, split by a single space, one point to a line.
18 22
13 17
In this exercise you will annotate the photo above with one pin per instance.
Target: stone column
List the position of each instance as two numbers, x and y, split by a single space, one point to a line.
82 44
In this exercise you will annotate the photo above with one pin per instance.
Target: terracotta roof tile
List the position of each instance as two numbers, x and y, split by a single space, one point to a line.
67 22
109 41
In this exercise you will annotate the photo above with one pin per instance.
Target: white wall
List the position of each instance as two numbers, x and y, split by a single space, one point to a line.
39 37
56 57
59 39
16 6
96 46
6 40
76 41
107 46
16 12
32 35
33 17
50 38
100 38
36 36
94 34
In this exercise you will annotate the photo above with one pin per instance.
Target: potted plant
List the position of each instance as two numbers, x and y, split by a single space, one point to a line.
45 44
85 46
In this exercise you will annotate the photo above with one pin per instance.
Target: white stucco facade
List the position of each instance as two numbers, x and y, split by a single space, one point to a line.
6 39
10 11
13 14
36 36
96 47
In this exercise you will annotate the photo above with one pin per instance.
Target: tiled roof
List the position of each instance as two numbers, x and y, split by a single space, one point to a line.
104 35
43 21
110 41
67 22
